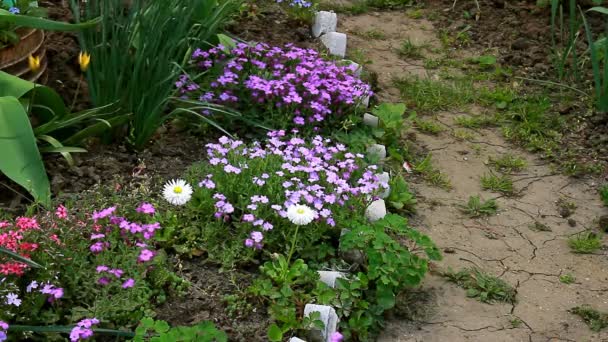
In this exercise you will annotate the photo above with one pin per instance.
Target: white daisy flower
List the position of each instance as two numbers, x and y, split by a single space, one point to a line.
177 192
300 215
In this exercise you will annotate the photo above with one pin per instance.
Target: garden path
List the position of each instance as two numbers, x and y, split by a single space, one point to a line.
504 245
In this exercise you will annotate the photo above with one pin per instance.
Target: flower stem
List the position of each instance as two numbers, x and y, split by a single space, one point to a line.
293 245
76 93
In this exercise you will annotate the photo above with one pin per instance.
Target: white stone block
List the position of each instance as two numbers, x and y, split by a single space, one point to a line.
335 42
328 317
296 339
325 22
365 101
330 277
354 66
376 210
371 120
384 178
378 151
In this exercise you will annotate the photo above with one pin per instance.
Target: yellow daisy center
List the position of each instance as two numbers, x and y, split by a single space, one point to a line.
177 190
300 211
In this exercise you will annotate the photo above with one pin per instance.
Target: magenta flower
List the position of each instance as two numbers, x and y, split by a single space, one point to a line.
145 255
103 213
128 283
336 337
146 208
61 212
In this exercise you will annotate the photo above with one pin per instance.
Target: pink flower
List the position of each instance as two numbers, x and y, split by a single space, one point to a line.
146 208
61 212
336 337
128 283
145 255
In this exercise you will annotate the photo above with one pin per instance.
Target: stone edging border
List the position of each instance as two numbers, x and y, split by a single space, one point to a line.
324 28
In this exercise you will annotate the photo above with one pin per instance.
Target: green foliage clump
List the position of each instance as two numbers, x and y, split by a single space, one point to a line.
595 319
604 194
400 196
508 163
501 183
485 287
391 268
160 331
476 208
585 243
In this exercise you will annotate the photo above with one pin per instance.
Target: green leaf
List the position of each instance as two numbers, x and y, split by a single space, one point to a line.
275 333
227 42
67 329
44 24
599 9
21 160
161 326
486 60
18 257
386 297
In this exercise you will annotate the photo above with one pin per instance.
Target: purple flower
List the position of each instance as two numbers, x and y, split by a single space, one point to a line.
145 255
14 10
128 283
13 299
146 208
103 281
336 337
103 213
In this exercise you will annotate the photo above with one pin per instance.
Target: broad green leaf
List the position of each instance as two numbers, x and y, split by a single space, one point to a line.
21 160
44 24
51 104
275 333
385 297
486 60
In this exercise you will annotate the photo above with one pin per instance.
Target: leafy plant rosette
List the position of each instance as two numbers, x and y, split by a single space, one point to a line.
282 87
240 207
99 269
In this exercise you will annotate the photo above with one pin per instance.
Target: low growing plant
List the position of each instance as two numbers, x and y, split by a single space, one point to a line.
238 212
160 331
279 87
585 243
604 194
476 208
501 183
485 287
99 269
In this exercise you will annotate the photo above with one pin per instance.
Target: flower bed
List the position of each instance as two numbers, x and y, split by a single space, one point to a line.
243 194
94 268
281 87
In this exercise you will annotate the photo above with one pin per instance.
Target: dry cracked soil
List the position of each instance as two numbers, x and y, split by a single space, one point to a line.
505 245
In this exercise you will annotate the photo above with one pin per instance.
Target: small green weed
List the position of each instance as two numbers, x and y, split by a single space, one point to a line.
359 56
508 163
375 34
604 194
595 319
409 49
462 134
539 227
431 174
567 278
476 208
474 121
585 243
483 286
431 95
414 13
502 183
428 126
432 63
515 322
355 8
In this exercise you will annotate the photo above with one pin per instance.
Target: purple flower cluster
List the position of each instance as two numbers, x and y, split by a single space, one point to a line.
134 233
297 3
295 83
82 330
323 176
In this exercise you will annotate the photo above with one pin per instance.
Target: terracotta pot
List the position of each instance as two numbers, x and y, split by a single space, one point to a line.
14 59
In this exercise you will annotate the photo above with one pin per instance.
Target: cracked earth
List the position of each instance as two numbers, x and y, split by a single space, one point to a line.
503 245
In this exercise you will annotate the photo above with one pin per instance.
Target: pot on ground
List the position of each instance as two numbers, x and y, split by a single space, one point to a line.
14 58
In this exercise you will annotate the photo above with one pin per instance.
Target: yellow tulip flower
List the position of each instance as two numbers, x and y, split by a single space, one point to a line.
34 63
84 59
